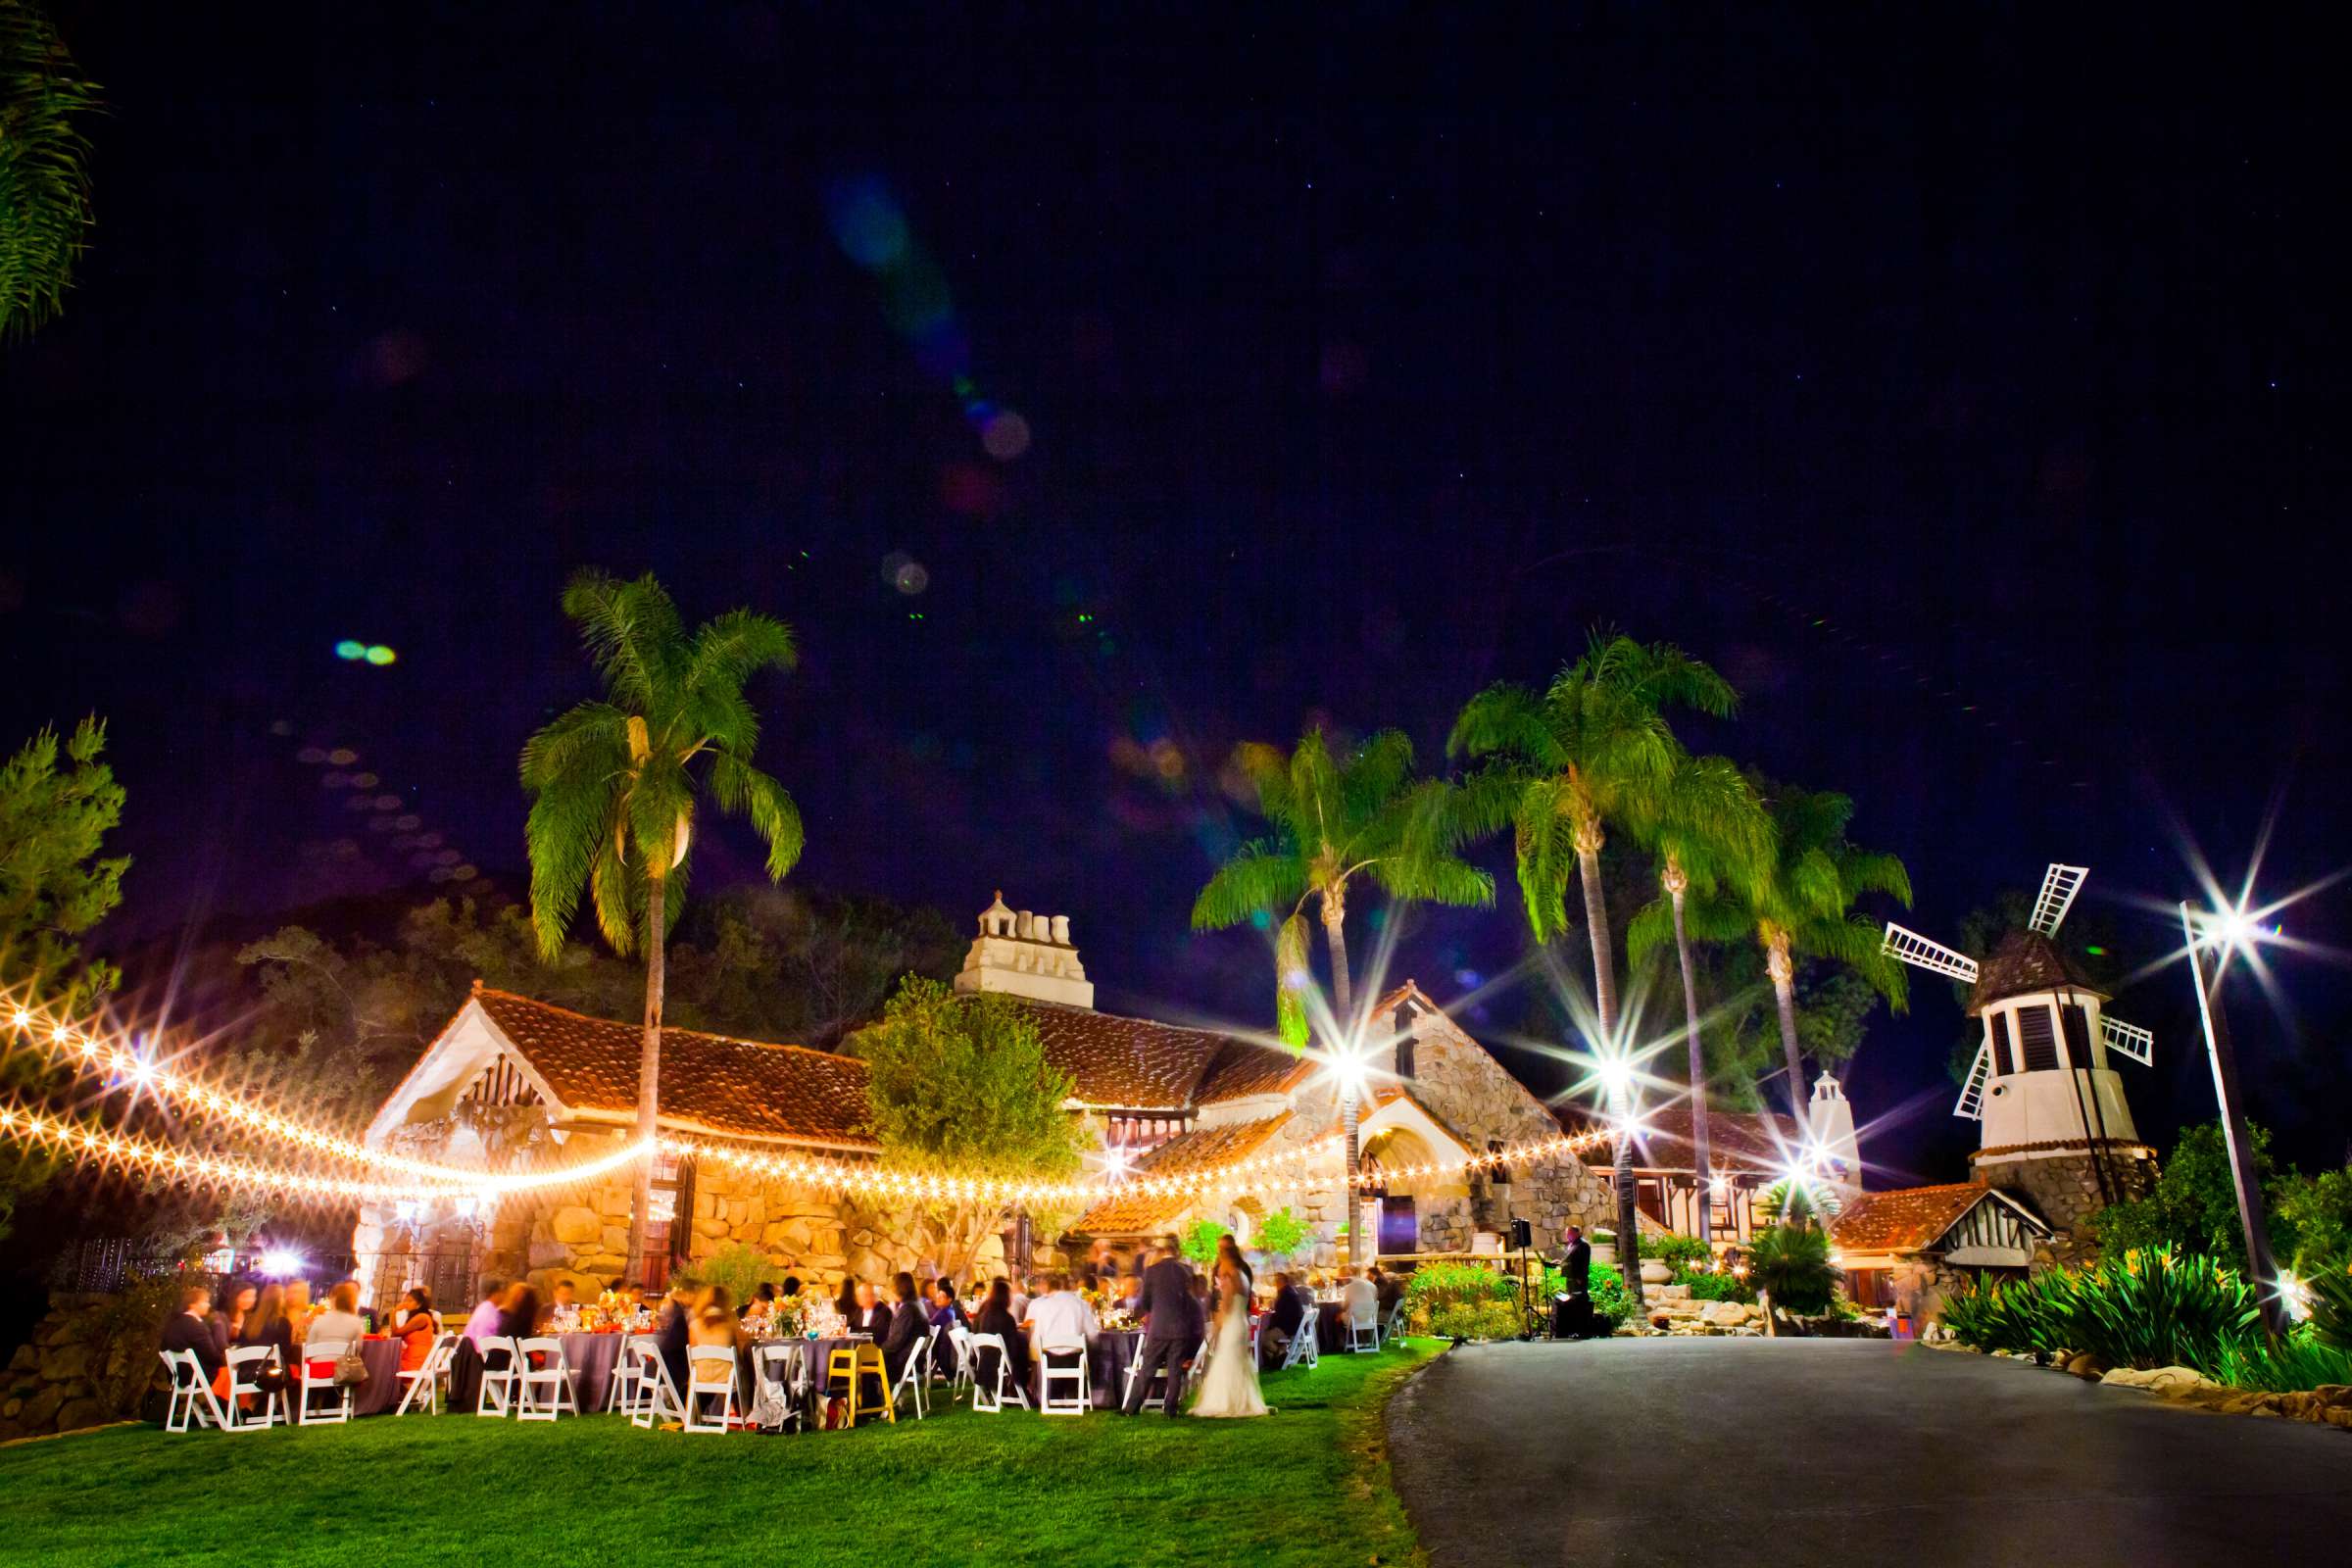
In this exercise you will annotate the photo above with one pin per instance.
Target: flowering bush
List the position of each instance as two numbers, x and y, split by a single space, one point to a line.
2149 1307
1478 1320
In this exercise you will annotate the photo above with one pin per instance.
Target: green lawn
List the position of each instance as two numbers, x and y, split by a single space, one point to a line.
1307 1486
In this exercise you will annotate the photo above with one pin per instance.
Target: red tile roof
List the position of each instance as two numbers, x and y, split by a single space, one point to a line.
1141 1064
1242 1069
735 1087
1905 1218
1203 1145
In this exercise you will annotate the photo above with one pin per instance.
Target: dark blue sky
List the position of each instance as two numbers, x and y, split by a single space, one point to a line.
1970 391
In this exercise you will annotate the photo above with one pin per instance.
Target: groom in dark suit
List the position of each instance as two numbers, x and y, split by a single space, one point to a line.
1173 1329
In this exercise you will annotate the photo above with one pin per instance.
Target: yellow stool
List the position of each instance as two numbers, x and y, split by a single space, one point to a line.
852 1363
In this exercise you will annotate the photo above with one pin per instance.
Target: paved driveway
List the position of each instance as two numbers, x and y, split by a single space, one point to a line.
1739 1453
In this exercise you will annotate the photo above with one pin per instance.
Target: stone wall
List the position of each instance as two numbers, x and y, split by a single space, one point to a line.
73 1373
2063 1188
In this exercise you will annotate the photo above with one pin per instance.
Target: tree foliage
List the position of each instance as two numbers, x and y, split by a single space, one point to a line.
44 168
2193 1206
1280 1234
1336 820
55 885
1199 1240
1793 1266
961 1083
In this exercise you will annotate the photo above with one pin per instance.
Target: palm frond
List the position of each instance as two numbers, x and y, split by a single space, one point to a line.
1506 720
1268 772
730 649
740 789
45 211
1293 982
632 632
1650 932
1546 853
1317 810
588 739
1262 876
1375 773
616 887
564 832
1872 871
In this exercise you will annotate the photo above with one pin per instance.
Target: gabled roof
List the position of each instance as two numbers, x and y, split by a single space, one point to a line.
1142 1064
1242 1069
2026 961
735 1087
1908 1219
1142 1215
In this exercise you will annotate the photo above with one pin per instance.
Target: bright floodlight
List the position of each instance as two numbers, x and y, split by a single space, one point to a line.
1348 1066
1616 1076
281 1262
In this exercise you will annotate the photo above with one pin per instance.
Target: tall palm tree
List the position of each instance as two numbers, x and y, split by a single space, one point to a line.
44 175
614 785
1706 827
1333 821
1803 905
1593 749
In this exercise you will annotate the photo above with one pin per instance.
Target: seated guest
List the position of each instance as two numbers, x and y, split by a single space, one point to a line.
562 1308
845 1300
299 1311
714 1320
763 1299
907 1330
1089 1279
677 1322
1103 1261
520 1313
229 1321
414 1325
792 1286
1131 1290
268 1324
1060 1316
1389 1288
485 1321
996 1317
1283 1318
945 1313
1360 1302
190 1329
1020 1299
868 1314
341 1322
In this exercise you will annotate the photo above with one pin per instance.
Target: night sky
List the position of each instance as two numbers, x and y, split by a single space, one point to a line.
1971 393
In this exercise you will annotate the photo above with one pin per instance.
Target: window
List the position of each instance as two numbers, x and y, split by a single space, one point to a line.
1138 1133
2004 1050
2039 1037
2077 1023
1405 1056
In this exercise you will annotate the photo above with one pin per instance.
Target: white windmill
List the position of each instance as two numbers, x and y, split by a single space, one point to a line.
2040 1085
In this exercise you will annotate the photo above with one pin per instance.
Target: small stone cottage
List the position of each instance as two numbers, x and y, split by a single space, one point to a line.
509 1073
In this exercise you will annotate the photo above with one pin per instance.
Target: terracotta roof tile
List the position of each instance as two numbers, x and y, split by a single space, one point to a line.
1905 1218
1242 1069
735 1087
2024 962
1203 1145
1127 1063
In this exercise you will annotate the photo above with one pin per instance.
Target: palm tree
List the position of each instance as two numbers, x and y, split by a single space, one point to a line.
1802 907
1335 821
44 175
1593 749
613 787
1706 827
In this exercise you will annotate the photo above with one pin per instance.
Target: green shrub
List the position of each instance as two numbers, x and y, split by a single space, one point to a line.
1200 1243
1794 1266
1280 1234
1436 1287
740 1269
1708 1286
1610 1303
2301 1361
1478 1320
2328 1296
1678 1252
2147 1309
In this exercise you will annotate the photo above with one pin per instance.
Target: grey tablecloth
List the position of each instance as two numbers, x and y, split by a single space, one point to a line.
382 1392
1107 1362
592 1359
1330 1327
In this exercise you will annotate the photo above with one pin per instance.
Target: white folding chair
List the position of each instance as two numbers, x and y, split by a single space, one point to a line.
545 1386
497 1378
990 1393
1302 1350
916 1374
621 1388
1393 1329
781 1366
709 1375
192 1399
423 1391
656 1396
1049 1377
960 1377
1363 1333
245 1362
308 1382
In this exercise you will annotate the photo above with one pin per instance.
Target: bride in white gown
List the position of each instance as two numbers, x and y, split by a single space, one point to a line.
1230 1385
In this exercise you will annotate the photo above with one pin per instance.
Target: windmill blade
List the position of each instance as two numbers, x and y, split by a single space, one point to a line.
1922 953
2127 1039
1971 1094
2059 885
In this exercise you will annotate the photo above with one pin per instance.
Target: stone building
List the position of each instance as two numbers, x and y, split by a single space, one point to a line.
511 1081
1911 1246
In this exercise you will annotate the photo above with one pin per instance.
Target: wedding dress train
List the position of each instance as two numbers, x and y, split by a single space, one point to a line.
1230 1385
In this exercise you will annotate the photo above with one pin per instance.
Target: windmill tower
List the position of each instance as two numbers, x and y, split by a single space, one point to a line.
2056 1127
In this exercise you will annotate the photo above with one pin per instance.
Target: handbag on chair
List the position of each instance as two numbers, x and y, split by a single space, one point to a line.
351 1367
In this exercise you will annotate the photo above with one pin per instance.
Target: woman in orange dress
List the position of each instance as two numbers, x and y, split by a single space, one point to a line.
414 1326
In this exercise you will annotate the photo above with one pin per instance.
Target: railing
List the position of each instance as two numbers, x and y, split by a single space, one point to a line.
103 1265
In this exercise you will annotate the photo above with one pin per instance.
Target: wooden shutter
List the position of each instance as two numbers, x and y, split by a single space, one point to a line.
2039 1038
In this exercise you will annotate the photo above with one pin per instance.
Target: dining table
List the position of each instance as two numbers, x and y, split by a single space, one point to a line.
380 1394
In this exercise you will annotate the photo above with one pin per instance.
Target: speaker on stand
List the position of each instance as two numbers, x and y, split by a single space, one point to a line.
1523 1236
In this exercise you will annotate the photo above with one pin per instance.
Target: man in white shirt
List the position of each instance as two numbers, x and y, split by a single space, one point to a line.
1020 1299
1060 1317
1361 1302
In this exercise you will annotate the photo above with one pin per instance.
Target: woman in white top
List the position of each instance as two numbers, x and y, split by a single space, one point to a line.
340 1323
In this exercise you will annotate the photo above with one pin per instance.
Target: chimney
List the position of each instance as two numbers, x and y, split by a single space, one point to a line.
1021 953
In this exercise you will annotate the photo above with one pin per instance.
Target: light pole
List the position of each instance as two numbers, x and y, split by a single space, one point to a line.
2262 1267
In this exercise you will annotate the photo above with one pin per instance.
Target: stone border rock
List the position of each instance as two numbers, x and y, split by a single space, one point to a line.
2329 1403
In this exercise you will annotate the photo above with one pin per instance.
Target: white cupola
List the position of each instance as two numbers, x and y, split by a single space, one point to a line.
1023 955
1829 1127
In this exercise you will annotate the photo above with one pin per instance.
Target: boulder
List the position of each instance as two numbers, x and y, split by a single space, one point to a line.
2087 1366
75 1414
1726 1315
66 1363
2166 1380
26 1359
41 1412
577 1226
